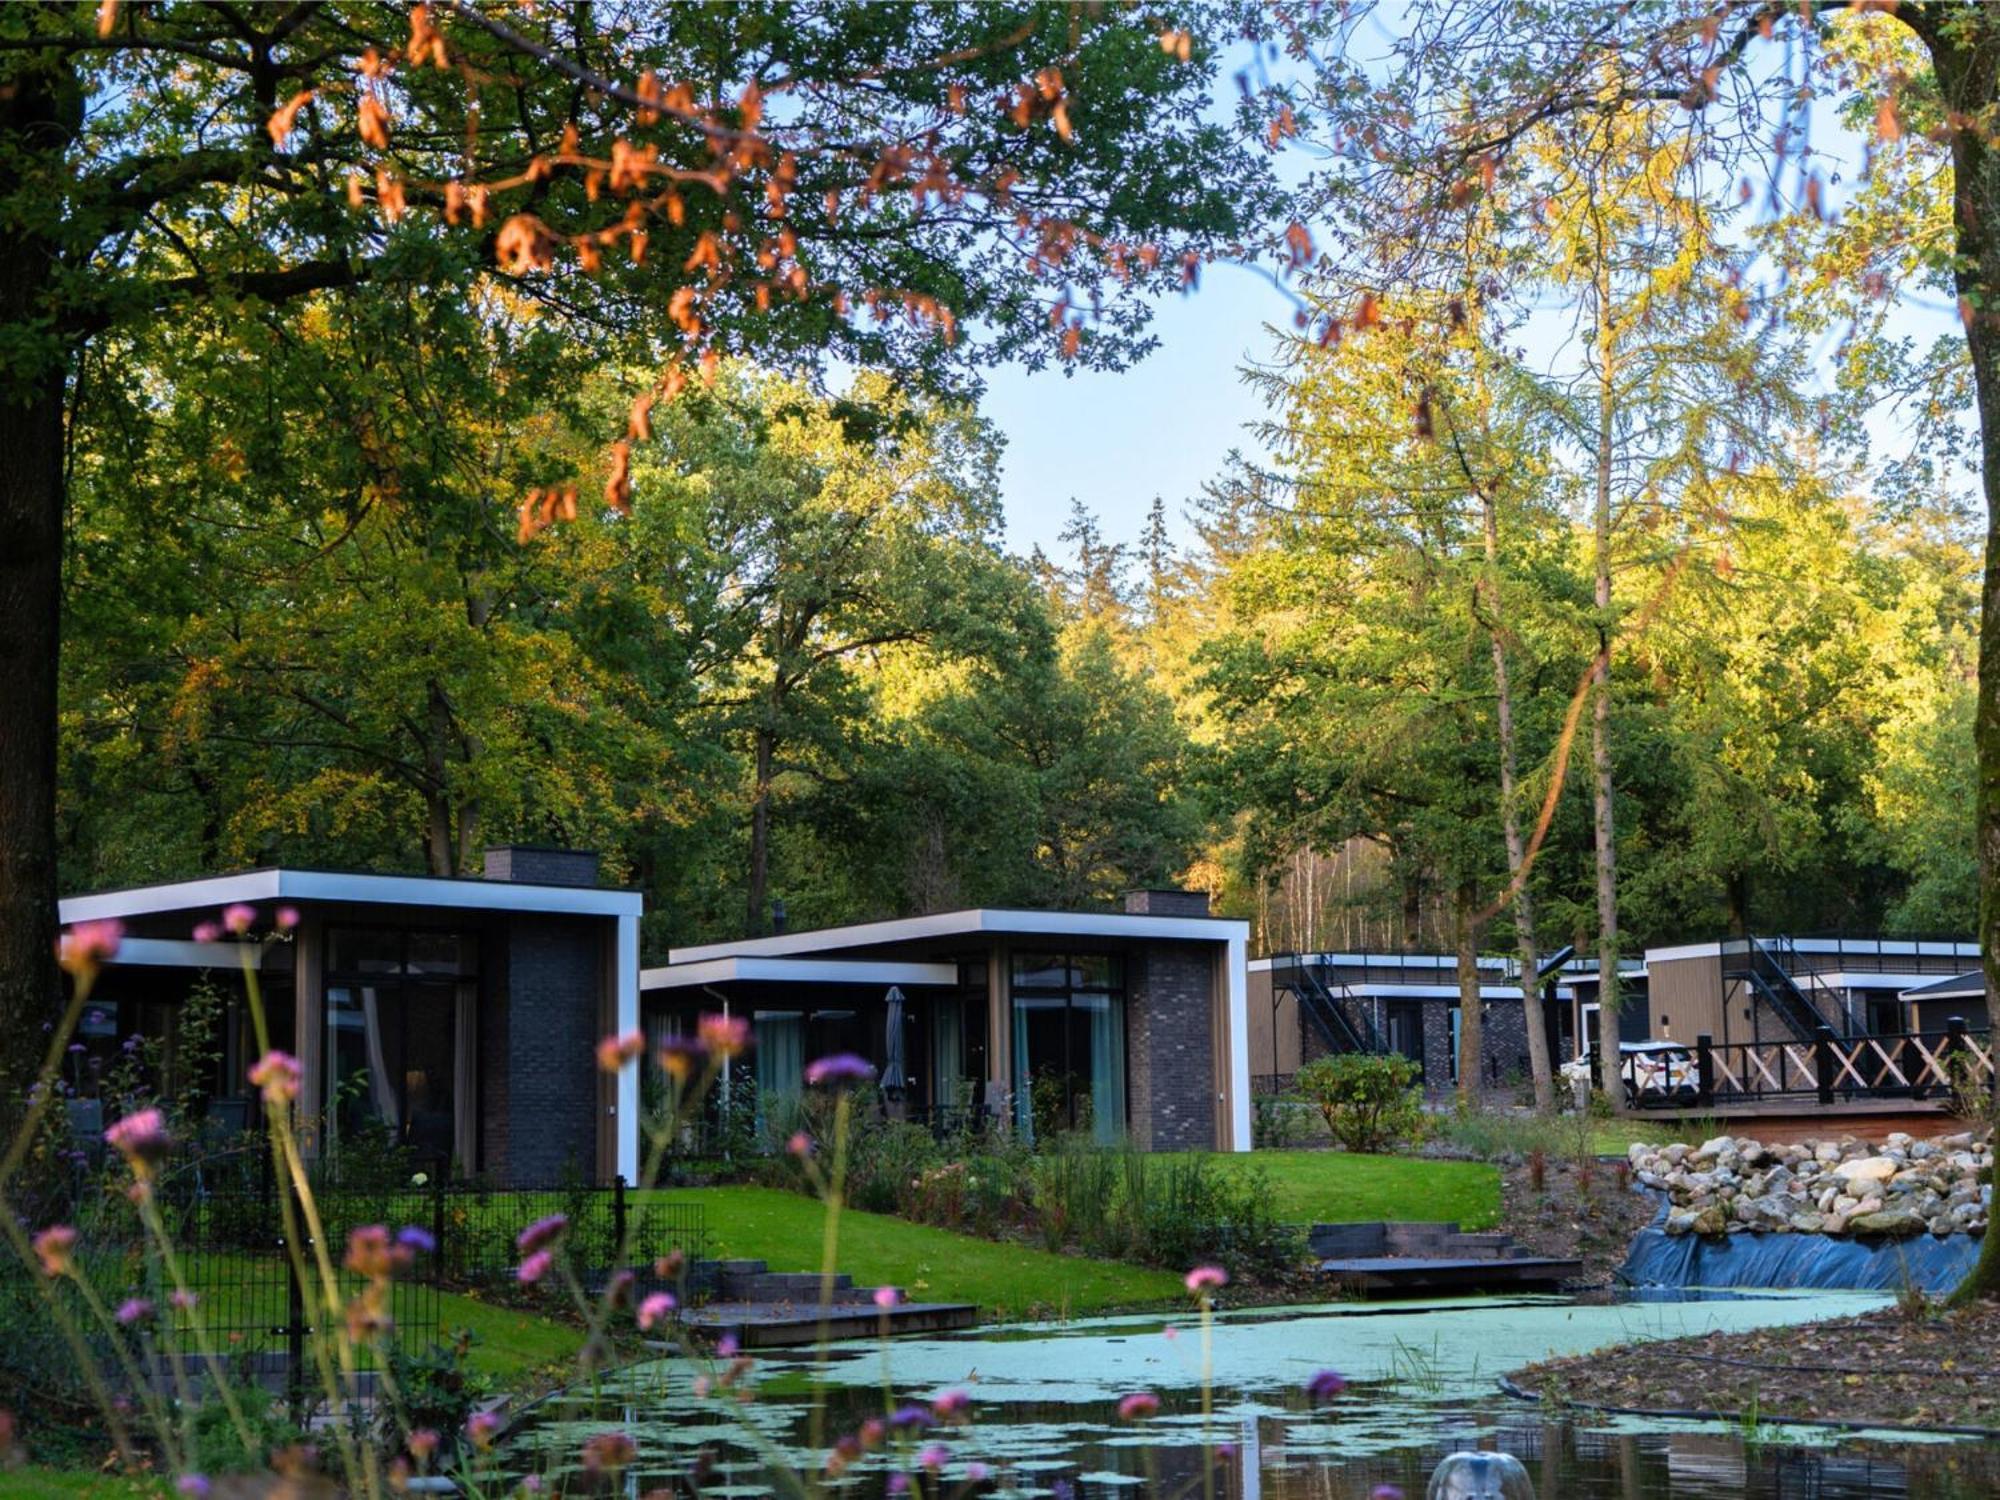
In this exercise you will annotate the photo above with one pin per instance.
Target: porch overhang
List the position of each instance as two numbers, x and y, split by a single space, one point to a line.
751 969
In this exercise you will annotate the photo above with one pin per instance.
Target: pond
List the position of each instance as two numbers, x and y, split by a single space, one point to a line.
1421 1382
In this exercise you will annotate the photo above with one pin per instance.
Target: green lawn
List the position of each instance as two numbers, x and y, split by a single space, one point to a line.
511 1344
1006 1280
1339 1187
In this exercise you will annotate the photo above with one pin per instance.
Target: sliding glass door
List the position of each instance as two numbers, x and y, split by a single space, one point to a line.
1069 1044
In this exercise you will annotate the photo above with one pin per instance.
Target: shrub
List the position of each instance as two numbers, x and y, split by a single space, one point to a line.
1281 1120
1370 1101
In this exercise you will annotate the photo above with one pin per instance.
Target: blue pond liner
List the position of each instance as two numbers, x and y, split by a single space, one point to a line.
1752 1259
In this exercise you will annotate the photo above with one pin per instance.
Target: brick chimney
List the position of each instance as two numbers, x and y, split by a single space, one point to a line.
1167 903
534 864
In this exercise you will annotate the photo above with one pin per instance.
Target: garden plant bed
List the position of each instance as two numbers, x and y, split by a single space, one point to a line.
1936 1369
1562 1219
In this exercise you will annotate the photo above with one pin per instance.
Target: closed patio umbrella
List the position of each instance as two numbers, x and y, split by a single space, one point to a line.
895 1075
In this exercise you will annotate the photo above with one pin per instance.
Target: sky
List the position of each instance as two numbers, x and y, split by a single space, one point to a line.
1114 440
1166 425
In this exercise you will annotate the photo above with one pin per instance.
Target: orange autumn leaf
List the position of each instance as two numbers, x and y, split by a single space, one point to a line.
618 485
372 121
1887 126
107 16
524 244
639 420
285 117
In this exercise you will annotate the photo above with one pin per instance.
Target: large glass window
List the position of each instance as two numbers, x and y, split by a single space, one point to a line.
401 1040
1069 1044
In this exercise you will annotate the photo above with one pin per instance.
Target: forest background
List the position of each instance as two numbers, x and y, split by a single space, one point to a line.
807 665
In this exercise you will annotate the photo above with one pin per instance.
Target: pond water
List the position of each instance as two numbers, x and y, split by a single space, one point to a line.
1421 1383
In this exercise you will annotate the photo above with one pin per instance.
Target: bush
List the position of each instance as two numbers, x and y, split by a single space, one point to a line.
1279 1121
1370 1101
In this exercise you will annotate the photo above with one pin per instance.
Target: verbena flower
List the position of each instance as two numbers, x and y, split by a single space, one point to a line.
800 1145
952 1406
899 1482
656 1309
370 1251
1138 1404
1206 1279
887 1297
276 1075
239 918
724 1036
1386 1492
286 918
141 1138
618 1291
207 932
608 1452
134 1310
416 1239
668 1266
534 1267
541 1233
84 947
616 1051
933 1456
423 1444
873 1432
681 1057
841 1069
193 1486
1325 1385
55 1248
726 1346
910 1416
481 1428
182 1301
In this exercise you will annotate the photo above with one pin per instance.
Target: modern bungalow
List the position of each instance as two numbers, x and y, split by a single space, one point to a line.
460 1016
1128 1024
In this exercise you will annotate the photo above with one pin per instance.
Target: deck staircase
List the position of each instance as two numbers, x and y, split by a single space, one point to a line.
1339 1028
1766 967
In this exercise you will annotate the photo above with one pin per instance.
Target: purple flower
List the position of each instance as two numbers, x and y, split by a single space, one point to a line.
534 1268
182 1301
134 1310
839 1069
977 1473
207 932
1206 1279
656 1309
887 1297
1386 1492
608 1452
141 1138
726 1346
416 1239
1324 1386
541 1233
482 1427
933 1456
910 1416
239 918
1138 1404
287 918
899 1483
193 1486
952 1406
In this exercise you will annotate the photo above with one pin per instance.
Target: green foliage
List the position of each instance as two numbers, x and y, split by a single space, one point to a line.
1370 1101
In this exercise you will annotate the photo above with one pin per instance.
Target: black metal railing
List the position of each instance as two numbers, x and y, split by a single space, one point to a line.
1342 1028
1914 1065
1765 968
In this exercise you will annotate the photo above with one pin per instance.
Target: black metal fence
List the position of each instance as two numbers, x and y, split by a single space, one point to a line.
236 1228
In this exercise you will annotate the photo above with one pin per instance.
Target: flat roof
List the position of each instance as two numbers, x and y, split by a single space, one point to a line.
1898 947
972 922
882 972
1959 987
212 892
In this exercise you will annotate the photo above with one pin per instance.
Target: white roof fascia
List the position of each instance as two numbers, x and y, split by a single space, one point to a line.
185 953
1374 990
1846 981
1902 947
1685 950
795 971
966 923
251 887
1382 961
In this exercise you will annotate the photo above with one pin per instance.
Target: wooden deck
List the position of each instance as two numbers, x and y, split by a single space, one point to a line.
1398 1276
1784 1122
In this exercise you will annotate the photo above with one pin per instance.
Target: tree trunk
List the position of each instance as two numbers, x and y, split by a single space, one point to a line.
1510 827
1967 61
33 119
1471 1018
440 849
1603 827
760 836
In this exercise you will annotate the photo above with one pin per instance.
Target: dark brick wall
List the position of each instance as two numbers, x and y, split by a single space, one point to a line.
1170 1047
537 866
541 1091
1504 1045
1167 903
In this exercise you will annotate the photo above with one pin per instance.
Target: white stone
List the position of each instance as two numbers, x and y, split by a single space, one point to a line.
1867 1169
